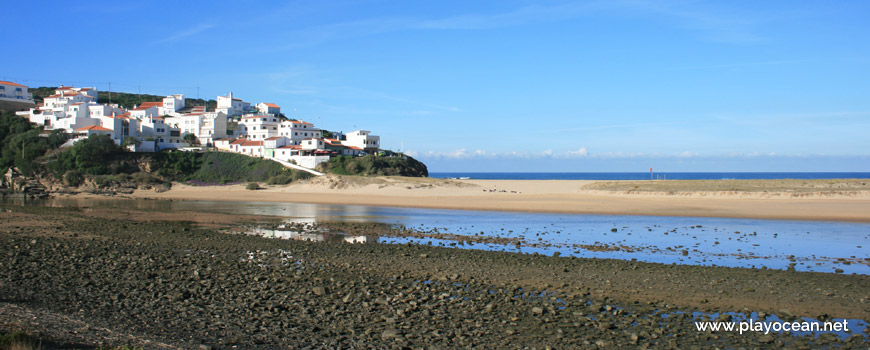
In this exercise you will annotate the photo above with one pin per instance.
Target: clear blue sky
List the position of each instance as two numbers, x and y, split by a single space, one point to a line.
496 86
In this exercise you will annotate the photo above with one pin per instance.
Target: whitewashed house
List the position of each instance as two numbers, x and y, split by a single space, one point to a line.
363 139
87 131
268 108
147 110
258 127
206 126
298 130
171 104
252 148
15 92
231 106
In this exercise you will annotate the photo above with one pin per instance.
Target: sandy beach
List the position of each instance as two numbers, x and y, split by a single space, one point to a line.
834 200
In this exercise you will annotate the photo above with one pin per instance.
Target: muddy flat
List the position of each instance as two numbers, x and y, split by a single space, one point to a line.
166 280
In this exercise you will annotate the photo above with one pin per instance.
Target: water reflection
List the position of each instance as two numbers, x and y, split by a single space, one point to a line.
778 244
308 231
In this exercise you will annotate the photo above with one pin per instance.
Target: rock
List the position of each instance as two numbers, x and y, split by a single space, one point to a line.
390 333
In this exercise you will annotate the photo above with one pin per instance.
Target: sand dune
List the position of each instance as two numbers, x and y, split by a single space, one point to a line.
770 199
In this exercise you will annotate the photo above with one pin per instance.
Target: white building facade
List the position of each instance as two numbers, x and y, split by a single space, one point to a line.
15 92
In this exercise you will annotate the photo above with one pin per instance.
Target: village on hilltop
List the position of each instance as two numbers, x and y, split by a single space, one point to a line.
234 126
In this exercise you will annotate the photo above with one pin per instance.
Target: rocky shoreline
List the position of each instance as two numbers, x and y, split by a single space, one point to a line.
165 280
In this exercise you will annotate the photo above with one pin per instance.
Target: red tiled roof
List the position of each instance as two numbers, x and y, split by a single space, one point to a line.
151 104
271 105
93 127
64 95
237 141
275 138
65 88
11 83
146 105
252 143
300 122
354 147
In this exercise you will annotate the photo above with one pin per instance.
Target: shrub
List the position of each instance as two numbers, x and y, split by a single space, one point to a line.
370 165
18 340
252 186
73 178
282 179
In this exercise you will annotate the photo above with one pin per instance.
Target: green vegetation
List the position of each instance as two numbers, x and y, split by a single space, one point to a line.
18 341
221 167
252 186
123 99
191 139
373 165
95 155
130 141
22 143
107 163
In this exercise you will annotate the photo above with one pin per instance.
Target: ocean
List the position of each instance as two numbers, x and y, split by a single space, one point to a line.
655 175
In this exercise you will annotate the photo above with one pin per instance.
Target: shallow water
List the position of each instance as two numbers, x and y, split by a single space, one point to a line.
809 245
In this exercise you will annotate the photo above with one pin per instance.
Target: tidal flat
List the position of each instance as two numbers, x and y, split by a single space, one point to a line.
180 280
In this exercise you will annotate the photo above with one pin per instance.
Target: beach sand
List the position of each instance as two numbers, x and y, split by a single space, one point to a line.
835 200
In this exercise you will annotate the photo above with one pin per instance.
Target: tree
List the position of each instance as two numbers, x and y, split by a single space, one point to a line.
191 139
131 141
21 143
91 154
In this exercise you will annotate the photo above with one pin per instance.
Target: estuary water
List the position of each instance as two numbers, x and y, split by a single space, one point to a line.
822 246
654 175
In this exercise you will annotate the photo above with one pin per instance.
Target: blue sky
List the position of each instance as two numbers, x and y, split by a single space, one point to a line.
496 86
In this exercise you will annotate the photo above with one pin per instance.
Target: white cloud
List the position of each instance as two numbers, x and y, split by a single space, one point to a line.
686 154
463 153
581 152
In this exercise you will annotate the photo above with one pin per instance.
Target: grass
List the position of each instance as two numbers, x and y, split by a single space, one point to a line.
222 167
19 341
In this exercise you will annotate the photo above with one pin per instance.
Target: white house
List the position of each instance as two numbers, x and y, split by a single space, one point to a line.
91 130
252 148
15 92
298 130
146 110
275 142
153 128
259 127
171 104
232 106
363 139
206 126
334 145
268 108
